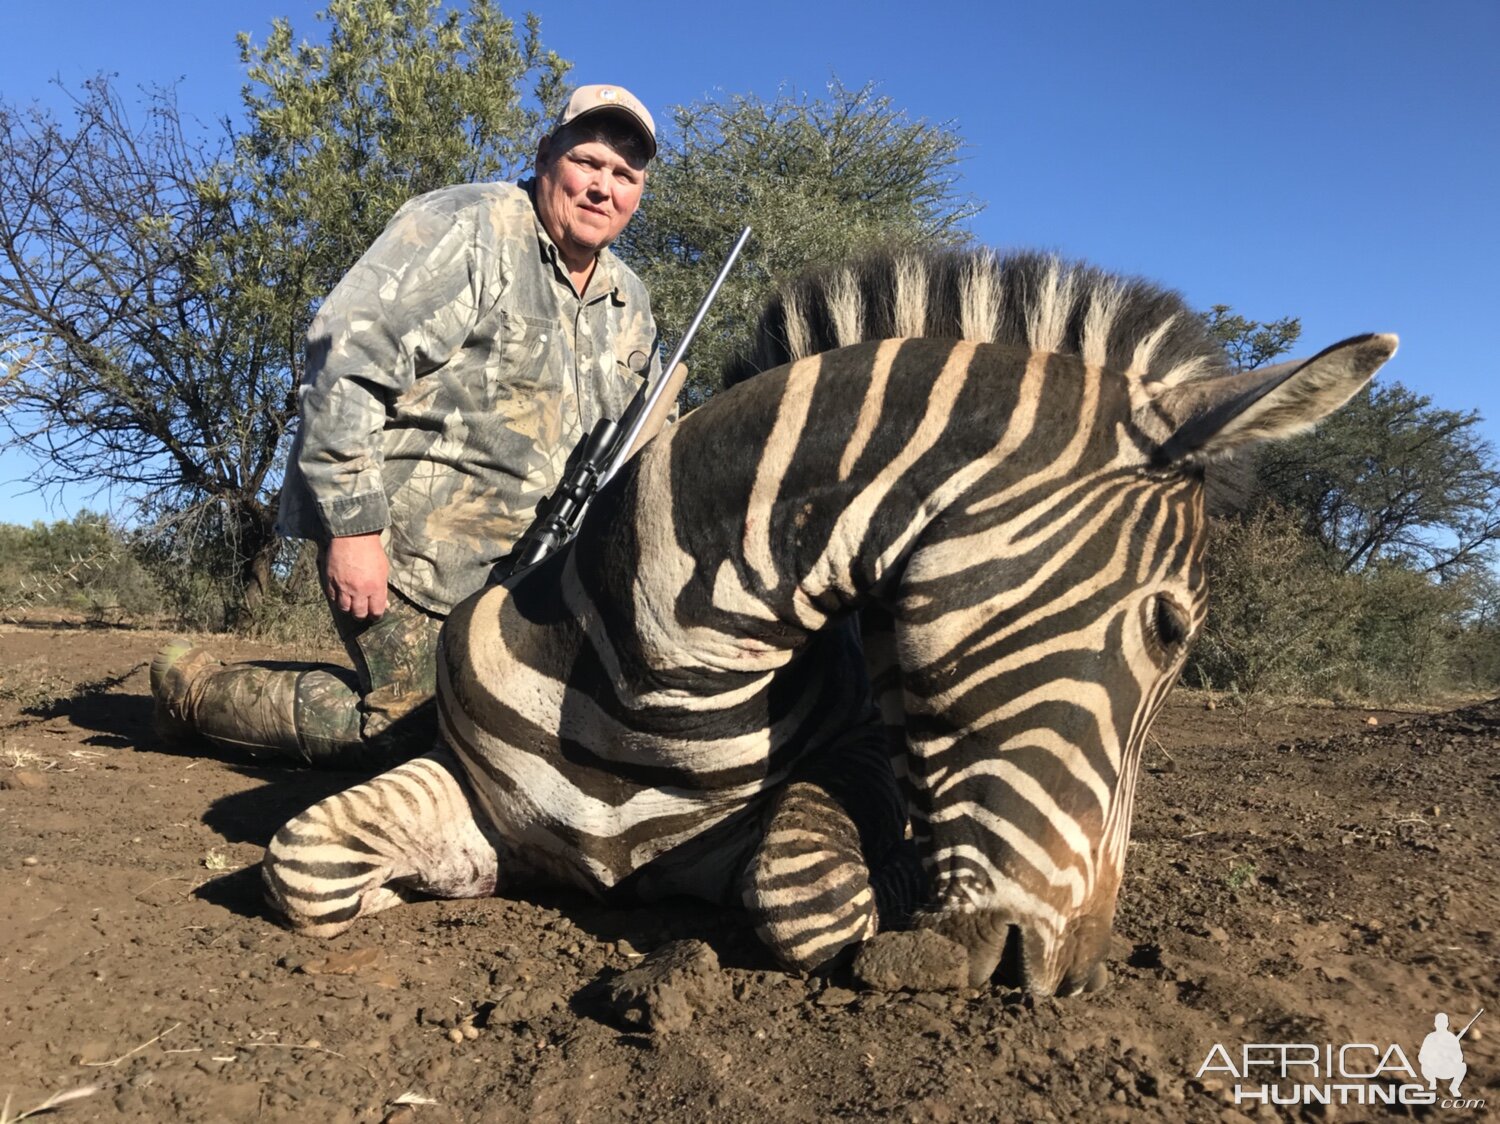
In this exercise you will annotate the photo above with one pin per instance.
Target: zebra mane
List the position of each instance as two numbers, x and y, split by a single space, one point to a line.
1031 300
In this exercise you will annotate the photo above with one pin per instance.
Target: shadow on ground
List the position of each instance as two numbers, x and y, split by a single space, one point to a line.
119 721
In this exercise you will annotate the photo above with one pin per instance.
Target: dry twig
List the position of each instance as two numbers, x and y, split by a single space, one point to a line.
287 1046
55 1101
131 1053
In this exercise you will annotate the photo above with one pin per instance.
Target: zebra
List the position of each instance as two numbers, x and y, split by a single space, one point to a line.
872 639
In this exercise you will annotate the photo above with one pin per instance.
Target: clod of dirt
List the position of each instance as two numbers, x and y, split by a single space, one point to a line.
664 991
24 780
522 1006
920 960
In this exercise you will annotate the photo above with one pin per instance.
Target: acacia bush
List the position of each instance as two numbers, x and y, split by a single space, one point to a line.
85 565
1474 657
1285 618
191 560
296 617
92 567
1408 627
1278 619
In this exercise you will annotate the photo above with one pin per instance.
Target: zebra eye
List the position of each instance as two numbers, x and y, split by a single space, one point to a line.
1169 621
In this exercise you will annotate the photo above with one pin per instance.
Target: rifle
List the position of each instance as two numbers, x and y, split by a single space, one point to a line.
601 454
1470 1023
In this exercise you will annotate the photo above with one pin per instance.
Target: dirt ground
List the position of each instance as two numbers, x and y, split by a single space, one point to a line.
1297 875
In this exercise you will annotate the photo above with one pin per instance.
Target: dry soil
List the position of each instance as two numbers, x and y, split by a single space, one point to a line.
1297 875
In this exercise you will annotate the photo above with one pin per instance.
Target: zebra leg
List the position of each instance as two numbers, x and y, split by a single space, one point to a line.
412 830
833 865
807 887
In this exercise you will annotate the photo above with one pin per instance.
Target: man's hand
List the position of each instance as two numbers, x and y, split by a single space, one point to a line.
354 575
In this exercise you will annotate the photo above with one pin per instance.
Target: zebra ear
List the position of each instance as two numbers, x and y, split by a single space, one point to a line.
1213 417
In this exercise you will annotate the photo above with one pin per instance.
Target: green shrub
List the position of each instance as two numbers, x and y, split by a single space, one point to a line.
1285 618
86 565
1280 620
1407 629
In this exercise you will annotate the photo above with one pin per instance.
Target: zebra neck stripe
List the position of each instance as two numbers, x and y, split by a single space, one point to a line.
853 522
1019 426
871 407
775 459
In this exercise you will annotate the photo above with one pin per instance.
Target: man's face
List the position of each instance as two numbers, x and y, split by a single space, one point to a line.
585 195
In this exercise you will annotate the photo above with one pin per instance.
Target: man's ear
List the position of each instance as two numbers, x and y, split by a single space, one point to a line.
543 151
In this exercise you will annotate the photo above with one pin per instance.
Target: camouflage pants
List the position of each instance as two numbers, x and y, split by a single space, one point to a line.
374 717
388 714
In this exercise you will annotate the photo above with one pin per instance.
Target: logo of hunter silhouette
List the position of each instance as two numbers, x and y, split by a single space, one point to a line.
1293 1073
1441 1057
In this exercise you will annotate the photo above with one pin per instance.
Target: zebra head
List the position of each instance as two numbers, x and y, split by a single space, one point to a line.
1040 621
1032 522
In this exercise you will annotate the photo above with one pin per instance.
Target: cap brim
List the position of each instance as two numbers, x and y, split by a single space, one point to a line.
620 111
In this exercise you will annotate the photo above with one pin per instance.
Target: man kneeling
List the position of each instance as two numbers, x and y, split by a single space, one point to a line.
449 375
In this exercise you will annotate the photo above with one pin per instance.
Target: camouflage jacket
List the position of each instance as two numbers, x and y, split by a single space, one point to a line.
449 375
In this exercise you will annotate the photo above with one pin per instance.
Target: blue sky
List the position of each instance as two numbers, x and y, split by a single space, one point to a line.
1337 160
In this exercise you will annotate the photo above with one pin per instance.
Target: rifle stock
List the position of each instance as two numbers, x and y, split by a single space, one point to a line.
657 416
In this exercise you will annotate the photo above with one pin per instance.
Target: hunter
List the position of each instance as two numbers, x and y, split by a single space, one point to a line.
449 375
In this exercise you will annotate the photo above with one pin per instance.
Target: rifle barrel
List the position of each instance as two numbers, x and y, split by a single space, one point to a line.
1470 1023
622 450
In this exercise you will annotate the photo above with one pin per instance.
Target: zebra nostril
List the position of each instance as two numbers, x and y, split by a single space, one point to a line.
1011 971
1084 951
985 959
1080 982
1004 952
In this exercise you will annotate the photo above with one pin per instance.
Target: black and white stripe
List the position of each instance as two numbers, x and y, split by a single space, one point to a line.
411 830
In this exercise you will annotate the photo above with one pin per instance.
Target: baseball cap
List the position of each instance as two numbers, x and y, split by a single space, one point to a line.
587 100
